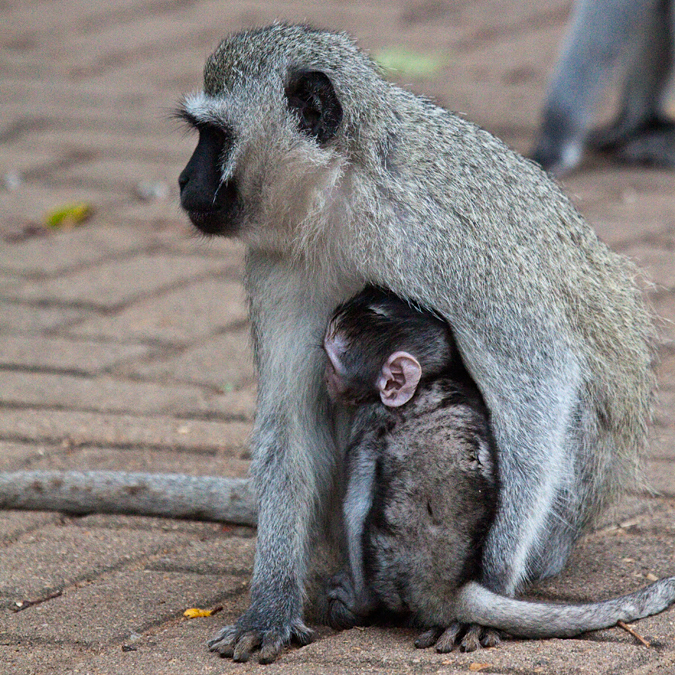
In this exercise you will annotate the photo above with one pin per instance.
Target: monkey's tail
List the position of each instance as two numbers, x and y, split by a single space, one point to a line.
522 618
169 495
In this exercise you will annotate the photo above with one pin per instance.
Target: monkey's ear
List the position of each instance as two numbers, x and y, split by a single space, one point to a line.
398 379
312 96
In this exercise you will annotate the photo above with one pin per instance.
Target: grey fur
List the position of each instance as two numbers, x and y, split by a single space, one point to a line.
422 490
635 36
423 567
408 196
474 603
148 494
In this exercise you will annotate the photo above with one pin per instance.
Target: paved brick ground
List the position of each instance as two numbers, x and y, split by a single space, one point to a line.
123 342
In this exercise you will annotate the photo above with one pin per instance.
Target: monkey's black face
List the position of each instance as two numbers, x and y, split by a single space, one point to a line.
210 192
212 204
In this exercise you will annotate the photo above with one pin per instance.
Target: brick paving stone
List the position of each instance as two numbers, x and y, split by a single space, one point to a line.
621 232
219 556
58 556
19 318
15 523
15 455
180 316
664 307
110 142
662 444
665 408
86 90
663 663
224 362
138 460
640 216
117 173
660 475
173 432
6 281
59 354
124 602
29 205
192 529
75 248
20 659
102 394
657 262
114 283
666 371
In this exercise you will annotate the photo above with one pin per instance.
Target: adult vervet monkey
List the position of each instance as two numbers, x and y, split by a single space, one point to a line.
335 178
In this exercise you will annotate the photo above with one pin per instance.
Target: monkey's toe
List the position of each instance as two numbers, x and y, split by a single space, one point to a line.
467 637
245 646
224 641
429 637
470 642
271 647
448 640
340 617
490 638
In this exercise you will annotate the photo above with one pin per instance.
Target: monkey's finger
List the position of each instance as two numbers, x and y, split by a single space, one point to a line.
446 643
340 617
272 644
429 637
301 634
223 642
245 646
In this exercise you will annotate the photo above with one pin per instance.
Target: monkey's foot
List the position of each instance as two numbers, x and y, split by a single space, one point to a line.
651 143
342 608
467 638
240 640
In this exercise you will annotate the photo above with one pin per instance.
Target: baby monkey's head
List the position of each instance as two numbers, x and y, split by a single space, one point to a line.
379 346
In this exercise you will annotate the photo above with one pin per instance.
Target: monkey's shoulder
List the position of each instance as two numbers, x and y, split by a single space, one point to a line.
446 397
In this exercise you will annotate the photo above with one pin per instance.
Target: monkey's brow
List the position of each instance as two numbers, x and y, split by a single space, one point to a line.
183 115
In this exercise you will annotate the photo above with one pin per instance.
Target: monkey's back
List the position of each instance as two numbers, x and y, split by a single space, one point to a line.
576 311
435 497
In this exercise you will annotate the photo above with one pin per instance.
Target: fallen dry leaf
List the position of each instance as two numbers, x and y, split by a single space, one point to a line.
474 667
195 612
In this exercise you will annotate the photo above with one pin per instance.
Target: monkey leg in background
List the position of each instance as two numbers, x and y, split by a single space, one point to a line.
335 178
636 34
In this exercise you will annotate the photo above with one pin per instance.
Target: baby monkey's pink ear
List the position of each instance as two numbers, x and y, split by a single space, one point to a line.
398 379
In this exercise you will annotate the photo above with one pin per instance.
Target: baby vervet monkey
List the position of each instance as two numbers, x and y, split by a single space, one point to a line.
422 488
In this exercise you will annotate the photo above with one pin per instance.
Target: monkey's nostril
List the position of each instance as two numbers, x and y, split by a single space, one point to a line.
183 180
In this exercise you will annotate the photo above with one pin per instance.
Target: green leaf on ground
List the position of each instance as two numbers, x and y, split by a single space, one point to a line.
68 215
408 63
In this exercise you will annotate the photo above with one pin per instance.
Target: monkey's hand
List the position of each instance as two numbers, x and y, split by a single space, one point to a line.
257 630
466 637
343 608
